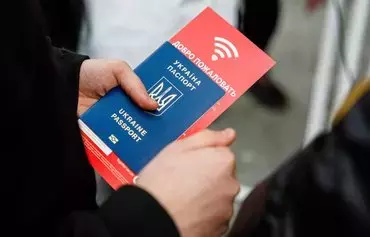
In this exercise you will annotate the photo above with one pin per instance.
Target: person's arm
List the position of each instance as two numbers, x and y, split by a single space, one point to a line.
68 63
129 212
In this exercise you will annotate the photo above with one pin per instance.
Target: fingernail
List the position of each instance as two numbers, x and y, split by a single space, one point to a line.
152 102
147 98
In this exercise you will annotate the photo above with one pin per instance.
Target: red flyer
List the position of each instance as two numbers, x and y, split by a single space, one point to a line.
225 55
194 77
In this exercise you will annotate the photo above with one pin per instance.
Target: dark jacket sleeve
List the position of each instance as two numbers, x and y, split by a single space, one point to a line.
68 63
129 212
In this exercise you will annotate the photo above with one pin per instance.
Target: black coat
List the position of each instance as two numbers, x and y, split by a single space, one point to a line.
323 190
48 187
64 19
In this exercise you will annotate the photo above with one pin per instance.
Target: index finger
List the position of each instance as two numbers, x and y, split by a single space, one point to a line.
208 138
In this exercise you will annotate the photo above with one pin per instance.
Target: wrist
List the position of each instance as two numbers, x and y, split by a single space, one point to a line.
139 212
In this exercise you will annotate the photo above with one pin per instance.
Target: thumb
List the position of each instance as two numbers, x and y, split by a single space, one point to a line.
208 138
133 86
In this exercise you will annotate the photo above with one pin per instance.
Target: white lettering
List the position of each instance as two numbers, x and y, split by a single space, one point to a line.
184 50
196 61
233 93
206 68
180 47
133 128
201 65
180 66
176 44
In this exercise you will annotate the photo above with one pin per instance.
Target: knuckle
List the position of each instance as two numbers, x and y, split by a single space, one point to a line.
226 161
121 66
223 229
233 188
202 138
232 160
231 157
206 135
227 155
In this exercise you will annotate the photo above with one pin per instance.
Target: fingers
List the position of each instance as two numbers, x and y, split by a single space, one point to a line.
208 138
223 164
226 158
222 159
133 86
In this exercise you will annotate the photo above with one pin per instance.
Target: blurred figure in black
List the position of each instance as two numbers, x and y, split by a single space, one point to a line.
257 20
64 21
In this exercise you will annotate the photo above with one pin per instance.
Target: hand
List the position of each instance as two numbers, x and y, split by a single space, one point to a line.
194 179
98 76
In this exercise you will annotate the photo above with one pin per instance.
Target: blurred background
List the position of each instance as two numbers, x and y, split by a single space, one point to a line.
321 48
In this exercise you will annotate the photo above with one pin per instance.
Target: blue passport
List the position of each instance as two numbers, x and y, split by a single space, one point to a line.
183 92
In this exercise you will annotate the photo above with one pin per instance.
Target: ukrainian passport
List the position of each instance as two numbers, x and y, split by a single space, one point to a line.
194 77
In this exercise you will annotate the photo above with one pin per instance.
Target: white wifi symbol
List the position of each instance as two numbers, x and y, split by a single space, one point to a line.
224 48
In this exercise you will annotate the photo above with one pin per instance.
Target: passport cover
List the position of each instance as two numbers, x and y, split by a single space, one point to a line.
194 77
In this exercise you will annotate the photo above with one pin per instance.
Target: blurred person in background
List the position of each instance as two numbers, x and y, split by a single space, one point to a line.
258 20
63 21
